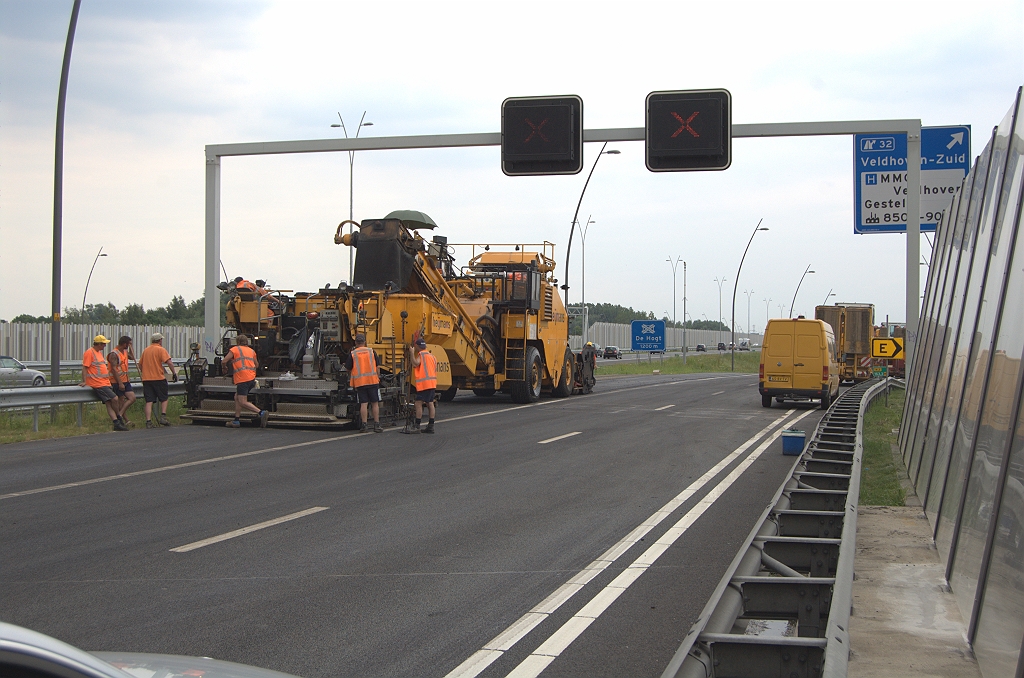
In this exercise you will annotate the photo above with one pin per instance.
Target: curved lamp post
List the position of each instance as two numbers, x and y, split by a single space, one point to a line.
830 294
767 302
793 304
748 293
351 163
576 214
735 284
674 265
89 279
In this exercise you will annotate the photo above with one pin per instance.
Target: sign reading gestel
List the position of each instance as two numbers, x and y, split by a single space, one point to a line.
887 347
648 335
880 177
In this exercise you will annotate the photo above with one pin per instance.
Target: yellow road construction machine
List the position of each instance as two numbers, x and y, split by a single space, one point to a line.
496 324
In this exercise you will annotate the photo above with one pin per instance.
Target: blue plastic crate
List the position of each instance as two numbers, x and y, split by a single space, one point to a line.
793 441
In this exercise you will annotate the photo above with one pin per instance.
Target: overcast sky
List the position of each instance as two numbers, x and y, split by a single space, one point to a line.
152 83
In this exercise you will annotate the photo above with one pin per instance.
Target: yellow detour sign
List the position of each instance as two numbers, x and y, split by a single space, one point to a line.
887 347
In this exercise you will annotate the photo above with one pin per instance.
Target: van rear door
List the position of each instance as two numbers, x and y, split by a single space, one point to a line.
809 352
778 359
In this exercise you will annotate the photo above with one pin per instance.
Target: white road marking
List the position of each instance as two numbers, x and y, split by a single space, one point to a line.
663 407
561 437
246 530
550 649
718 393
483 658
240 455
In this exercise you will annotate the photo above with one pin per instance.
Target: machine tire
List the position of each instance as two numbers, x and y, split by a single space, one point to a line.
484 392
565 382
448 394
766 401
827 400
528 391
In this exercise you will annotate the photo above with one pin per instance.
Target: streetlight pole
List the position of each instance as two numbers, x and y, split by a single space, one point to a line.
718 330
58 203
568 248
684 313
735 284
748 293
674 265
793 304
767 303
351 164
830 294
89 279
583 295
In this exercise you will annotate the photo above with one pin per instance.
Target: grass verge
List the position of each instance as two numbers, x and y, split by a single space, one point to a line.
879 478
16 427
746 362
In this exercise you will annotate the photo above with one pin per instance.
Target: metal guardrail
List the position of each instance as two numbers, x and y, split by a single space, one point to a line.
790 586
48 396
67 368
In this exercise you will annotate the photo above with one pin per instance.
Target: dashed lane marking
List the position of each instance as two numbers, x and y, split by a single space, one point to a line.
663 407
246 530
561 437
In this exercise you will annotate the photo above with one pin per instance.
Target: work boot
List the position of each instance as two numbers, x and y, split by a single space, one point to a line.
151 424
362 427
164 421
429 428
377 428
118 426
263 418
411 428
127 422
234 423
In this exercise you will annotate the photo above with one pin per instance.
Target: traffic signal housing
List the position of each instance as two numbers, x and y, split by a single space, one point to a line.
542 135
689 130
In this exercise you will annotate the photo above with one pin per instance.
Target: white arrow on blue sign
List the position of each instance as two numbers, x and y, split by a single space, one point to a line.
880 177
648 335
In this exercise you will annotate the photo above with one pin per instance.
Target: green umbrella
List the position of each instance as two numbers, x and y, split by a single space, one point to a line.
412 219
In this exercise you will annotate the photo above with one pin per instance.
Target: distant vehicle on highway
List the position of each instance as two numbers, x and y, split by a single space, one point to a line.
721 346
13 373
612 352
701 348
744 345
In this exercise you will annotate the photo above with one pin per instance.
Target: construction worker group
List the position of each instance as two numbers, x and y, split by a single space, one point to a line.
109 380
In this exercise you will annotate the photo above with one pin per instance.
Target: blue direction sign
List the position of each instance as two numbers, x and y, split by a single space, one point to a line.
880 177
648 335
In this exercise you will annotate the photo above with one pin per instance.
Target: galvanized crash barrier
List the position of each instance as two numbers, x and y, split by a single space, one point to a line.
49 396
782 609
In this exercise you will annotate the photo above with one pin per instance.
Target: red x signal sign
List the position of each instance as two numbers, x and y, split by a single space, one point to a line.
689 130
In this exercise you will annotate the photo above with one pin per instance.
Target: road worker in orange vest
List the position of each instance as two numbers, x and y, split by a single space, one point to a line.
154 380
241 364
362 369
96 376
120 384
424 378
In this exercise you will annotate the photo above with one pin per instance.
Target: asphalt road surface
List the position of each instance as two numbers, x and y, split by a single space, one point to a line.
575 537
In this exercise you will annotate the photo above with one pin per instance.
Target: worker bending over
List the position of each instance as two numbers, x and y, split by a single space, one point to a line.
96 376
241 365
424 377
120 383
362 368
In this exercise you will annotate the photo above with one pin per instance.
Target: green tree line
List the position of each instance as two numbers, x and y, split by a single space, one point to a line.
623 315
177 312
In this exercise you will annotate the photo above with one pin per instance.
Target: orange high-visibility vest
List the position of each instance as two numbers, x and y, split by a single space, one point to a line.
94 369
424 375
243 364
122 364
364 368
245 285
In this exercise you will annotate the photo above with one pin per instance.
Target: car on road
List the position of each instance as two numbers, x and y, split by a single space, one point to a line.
701 348
744 345
13 373
721 346
612 352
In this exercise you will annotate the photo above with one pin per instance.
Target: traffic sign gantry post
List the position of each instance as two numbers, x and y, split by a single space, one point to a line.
688 130
890 348
542 135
